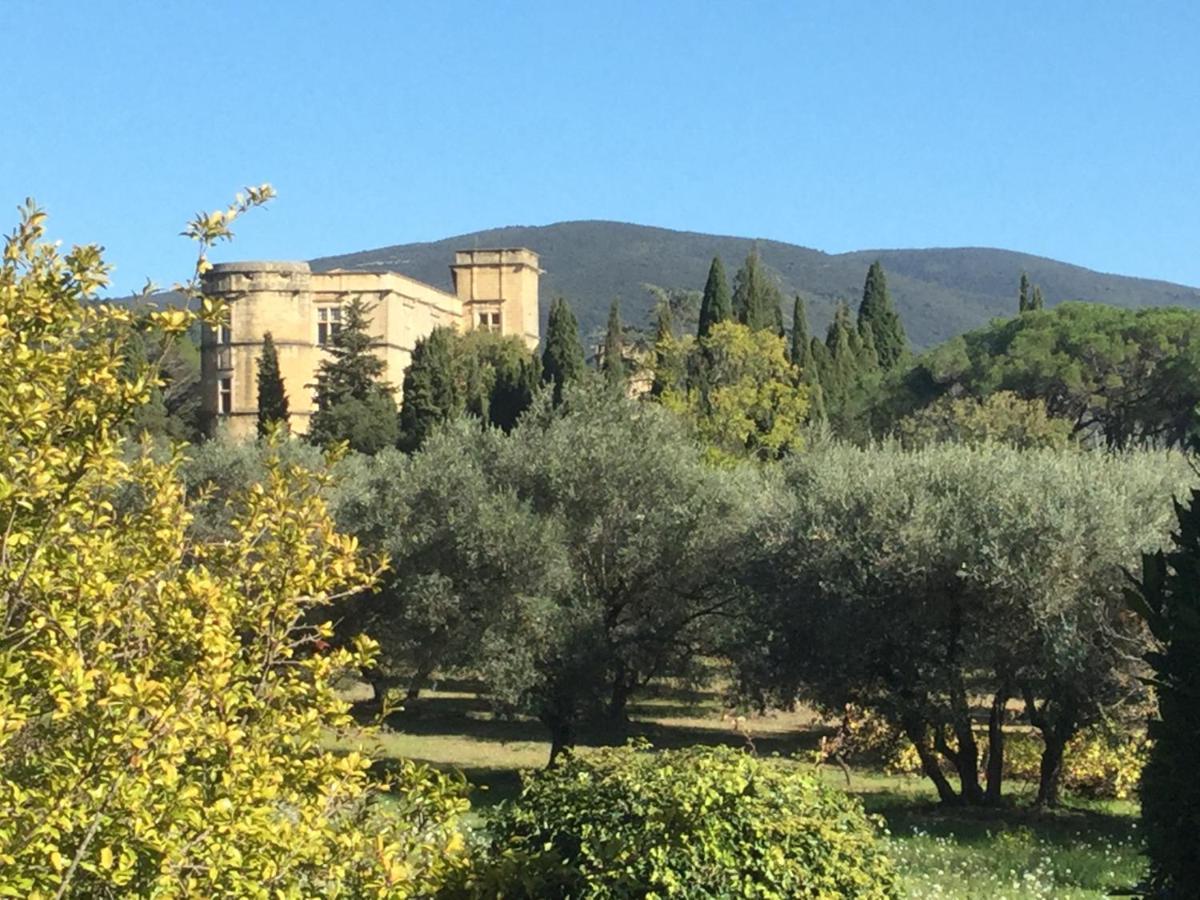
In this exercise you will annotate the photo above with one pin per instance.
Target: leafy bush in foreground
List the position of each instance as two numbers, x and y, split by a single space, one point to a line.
163 700
698 822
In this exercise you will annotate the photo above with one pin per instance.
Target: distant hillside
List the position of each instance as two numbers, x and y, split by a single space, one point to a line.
940 292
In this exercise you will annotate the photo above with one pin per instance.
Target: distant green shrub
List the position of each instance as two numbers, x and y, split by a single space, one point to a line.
699 822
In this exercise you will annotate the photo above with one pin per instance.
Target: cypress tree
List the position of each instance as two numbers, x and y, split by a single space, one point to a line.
839 374
868 356
820 372
756 300
1036 301
272 399
891 343
664 340
1023 298
430 391
613 364
799 351
1168 597
716 305
562 359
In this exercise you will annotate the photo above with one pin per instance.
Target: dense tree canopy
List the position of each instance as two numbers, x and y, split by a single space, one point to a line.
757 301
570 562
742 393
1121 377
916 581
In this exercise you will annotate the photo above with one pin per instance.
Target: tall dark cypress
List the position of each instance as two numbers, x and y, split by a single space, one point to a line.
1036 301
562 358
613 363
868 356
431 391
716 305
756 299
1023 298
891 343
1168 598
839 374
799 350
272 399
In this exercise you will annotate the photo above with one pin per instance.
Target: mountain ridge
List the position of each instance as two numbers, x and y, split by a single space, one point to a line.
940 291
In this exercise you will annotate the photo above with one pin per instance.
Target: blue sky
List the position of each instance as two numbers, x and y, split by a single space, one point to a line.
1066 129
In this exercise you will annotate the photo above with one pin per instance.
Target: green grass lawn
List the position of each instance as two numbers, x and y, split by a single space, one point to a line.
1087 850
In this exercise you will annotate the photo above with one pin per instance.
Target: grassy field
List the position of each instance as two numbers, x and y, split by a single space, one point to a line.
1087 850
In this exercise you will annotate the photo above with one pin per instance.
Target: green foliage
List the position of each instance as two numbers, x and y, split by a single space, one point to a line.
481 373
716 305
173 410
800 335
217 471
562 358
916 581
702 822
498 376
164 699
1168 598
470 559
613 362
745 398
756 296
670 355
840 363
367 426
1002 417
568 562
354 404
272 400
876 310
1121 377
431 392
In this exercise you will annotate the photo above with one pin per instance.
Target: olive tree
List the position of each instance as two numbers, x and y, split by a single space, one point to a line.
569 562
467 554
915 582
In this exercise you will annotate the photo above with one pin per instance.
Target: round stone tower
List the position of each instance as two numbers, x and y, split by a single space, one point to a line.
262 297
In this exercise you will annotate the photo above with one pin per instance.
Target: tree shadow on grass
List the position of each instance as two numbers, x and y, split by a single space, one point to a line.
905 814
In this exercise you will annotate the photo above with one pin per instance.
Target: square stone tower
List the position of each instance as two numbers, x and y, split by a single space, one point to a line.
498 290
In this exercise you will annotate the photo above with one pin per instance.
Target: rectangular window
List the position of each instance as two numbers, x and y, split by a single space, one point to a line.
225 331
225 397
329 323
489 321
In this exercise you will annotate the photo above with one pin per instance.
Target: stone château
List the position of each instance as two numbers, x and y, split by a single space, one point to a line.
495 290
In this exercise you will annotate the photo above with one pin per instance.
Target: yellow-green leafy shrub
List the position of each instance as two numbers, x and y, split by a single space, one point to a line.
700 822
162 700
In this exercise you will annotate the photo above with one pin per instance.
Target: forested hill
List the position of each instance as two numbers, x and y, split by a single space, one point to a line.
940 292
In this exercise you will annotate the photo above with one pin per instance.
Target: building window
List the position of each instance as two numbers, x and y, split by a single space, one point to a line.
329 323
489 321
225 397
225 331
